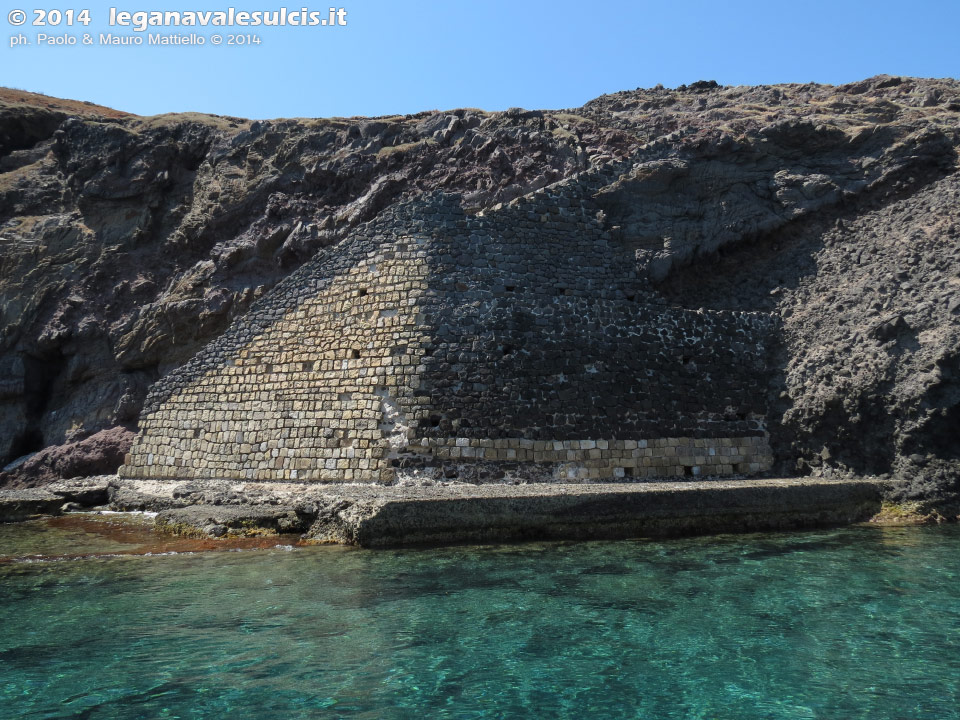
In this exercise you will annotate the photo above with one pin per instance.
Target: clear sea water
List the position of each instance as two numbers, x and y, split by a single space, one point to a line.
849 623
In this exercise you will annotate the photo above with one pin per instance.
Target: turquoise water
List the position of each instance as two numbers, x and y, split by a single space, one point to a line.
852 623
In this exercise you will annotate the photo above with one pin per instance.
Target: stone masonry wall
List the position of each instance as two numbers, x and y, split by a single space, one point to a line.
305 399
516 345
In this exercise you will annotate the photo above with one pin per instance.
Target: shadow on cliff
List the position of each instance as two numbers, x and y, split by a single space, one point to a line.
836 278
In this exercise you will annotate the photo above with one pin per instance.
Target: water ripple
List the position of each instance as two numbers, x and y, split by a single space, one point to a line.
858 623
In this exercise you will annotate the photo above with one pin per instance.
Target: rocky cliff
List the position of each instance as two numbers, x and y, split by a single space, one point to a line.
130 242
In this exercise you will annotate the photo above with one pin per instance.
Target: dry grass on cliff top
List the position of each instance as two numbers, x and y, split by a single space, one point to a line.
12 96
218 122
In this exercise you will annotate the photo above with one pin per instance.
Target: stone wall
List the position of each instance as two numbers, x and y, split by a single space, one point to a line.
516 345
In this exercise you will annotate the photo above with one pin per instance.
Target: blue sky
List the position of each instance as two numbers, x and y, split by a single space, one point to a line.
403 56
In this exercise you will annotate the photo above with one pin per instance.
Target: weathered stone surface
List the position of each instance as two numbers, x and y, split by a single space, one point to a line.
17 505
129 243
99 454
386 516
385 355
231 520
377 516
86 492
21 504
870 358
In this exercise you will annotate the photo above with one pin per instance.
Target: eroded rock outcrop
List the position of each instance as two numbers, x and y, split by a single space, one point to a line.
129 242
96 455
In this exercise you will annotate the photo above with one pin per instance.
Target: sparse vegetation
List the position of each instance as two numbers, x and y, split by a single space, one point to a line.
405 147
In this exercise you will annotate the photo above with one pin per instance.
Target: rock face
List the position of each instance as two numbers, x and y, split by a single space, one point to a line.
129 243
98 454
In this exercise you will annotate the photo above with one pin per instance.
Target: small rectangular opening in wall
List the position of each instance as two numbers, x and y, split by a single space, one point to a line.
510 288
355 354
268 369
361 292
434 421
561 291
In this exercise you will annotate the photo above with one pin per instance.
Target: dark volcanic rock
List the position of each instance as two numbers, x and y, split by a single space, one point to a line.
870 373
99 454
128 243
